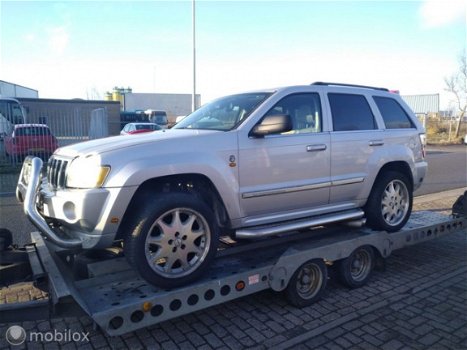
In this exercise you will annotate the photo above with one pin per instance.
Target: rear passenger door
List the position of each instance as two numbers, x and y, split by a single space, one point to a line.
354 138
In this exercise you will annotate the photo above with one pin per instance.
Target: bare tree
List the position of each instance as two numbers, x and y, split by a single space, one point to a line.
456 84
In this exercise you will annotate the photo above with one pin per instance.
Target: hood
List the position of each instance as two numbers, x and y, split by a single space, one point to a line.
109 144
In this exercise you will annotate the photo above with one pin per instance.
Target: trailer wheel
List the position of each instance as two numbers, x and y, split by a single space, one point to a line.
172 239
355 271
307 283
390 202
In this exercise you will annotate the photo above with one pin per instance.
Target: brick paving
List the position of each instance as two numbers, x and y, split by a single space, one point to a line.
419 302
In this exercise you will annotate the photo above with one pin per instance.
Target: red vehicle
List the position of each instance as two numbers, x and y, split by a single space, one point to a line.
35 139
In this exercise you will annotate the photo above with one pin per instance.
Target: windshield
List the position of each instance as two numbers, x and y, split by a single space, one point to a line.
32 131
224 113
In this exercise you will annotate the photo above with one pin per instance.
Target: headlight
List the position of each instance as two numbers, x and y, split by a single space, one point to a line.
86 172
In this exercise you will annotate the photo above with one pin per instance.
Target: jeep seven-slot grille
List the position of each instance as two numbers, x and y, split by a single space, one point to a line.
56 171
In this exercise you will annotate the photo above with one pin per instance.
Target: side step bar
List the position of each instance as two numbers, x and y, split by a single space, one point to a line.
270 230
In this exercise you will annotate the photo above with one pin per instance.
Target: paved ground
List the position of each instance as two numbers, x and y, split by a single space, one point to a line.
419 302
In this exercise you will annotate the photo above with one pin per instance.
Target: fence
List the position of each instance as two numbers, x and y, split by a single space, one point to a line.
49 130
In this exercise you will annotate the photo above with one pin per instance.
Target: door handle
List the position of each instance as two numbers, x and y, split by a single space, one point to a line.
314 148
376 143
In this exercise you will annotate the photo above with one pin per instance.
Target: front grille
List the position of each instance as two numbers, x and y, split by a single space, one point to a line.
56 172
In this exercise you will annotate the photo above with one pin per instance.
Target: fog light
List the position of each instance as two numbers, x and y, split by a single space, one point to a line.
69 210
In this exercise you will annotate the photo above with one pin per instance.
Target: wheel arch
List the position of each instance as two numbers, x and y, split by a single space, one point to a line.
398 166
193 183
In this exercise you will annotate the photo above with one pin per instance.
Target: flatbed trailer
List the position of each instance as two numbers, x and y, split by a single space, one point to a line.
107 289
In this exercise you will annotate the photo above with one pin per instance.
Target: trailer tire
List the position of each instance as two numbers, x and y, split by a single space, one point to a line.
172 239
355 270
307 283
390 202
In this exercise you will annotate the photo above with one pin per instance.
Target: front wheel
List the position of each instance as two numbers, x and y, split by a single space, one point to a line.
390 202
172 240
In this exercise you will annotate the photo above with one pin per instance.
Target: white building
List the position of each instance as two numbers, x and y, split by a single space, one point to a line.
173 104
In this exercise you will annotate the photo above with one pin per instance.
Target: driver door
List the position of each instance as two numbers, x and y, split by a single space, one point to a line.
286 175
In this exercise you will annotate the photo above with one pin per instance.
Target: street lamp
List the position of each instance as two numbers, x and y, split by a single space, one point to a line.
193 98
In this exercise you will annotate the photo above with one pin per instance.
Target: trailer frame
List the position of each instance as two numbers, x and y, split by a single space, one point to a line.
119 301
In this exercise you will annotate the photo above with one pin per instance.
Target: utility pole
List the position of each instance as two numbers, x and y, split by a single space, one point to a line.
193 100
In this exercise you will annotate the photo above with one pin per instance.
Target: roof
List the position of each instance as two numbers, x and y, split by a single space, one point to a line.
423 104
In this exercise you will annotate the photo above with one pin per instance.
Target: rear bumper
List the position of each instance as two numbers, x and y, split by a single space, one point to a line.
420 173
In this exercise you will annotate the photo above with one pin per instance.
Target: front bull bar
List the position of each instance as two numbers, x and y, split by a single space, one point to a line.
29 182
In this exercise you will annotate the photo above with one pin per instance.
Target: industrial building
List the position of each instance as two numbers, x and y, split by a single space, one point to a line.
14 90
173 104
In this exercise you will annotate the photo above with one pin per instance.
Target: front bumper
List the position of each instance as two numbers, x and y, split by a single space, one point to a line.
27 190
81 218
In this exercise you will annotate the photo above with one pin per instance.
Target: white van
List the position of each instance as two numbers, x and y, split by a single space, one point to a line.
157 117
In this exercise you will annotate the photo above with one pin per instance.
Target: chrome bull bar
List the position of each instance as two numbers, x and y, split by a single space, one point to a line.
28 189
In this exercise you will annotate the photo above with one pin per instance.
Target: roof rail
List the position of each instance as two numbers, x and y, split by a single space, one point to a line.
349 85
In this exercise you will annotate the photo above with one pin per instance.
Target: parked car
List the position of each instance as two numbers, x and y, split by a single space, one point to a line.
250 165
465 139
139 128
33 139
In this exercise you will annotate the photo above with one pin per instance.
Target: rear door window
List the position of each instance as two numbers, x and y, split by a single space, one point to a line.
393 114
351 112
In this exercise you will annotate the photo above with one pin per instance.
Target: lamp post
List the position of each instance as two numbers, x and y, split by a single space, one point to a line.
193 98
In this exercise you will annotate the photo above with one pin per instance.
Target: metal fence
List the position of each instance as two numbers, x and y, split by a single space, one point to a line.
42 134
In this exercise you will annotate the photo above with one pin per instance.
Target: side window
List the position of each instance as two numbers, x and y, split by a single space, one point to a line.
350 112
393 114
304 110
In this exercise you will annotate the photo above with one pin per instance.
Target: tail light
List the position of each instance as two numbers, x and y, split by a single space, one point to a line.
423 143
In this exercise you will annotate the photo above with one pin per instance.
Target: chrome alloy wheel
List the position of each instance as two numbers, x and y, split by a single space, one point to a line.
177 242
361 265
395 202
309 281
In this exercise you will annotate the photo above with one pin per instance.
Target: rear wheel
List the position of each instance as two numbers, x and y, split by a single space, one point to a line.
172 239
390 202
307 283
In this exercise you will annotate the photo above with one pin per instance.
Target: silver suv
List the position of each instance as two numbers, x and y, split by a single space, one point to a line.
249 165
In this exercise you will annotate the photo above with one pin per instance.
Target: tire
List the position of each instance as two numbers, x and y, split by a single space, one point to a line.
307 283
390 203
172 239
355 270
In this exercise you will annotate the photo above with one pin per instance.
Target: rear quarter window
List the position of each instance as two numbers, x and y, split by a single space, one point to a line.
393 114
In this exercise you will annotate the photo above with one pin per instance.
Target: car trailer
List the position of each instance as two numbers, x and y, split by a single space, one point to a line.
102 285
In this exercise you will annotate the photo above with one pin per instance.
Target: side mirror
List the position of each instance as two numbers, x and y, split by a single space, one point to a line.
272 124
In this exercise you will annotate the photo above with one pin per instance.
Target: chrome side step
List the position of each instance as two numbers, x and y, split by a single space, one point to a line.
271 230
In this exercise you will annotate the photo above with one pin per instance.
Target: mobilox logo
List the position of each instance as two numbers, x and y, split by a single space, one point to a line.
16 335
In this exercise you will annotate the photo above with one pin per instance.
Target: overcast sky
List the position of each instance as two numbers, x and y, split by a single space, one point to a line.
80 49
